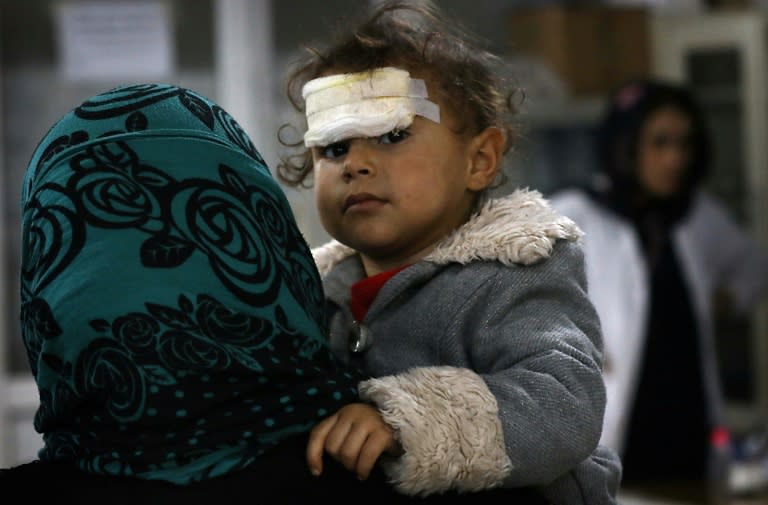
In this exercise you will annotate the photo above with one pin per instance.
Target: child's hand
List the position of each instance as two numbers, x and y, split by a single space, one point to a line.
355 436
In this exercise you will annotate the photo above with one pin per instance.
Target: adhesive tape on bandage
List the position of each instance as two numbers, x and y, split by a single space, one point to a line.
363 104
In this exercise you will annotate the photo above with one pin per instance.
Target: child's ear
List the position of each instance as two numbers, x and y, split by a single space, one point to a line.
486 152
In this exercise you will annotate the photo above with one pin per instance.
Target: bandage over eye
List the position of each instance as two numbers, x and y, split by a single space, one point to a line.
365 104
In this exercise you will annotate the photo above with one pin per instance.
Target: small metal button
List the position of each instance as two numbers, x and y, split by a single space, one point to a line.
360 338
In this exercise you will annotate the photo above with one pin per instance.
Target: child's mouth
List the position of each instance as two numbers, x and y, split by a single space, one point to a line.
362 201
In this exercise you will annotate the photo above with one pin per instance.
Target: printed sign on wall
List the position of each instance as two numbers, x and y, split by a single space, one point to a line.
102 41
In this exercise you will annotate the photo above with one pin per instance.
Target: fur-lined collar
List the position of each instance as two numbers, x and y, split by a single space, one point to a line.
520 228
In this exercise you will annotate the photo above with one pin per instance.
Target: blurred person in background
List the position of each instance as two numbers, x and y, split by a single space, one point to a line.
663 257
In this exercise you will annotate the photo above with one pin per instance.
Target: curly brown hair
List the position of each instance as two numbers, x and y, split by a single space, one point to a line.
413 36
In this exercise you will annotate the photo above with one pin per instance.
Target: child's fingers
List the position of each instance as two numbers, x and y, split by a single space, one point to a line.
316 444
336 438
374 446
348 451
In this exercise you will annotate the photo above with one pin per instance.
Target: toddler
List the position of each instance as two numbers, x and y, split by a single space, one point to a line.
471 312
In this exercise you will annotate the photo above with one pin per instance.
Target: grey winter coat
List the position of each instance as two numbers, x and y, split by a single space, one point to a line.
487 356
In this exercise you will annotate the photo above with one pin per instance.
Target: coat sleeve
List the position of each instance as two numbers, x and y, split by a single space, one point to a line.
539 350
531 407
740 262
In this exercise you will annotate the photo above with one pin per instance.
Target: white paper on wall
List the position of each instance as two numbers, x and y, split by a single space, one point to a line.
103 41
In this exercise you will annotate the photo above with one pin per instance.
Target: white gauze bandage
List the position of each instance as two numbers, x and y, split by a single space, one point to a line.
364 104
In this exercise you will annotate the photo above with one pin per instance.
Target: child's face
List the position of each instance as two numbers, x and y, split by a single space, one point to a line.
393 197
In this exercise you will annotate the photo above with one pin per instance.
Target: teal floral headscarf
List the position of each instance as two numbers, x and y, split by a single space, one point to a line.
171 309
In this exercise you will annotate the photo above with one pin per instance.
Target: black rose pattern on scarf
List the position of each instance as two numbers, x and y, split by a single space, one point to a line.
197 340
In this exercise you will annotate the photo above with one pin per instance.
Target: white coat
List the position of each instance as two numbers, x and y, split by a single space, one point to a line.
713 250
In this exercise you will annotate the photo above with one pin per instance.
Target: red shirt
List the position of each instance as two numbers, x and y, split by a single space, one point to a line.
364 291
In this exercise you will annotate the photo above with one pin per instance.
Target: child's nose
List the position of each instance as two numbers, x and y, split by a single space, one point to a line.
359 160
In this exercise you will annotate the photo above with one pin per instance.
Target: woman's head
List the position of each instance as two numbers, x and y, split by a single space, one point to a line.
653 140
171 310
411 36
664 151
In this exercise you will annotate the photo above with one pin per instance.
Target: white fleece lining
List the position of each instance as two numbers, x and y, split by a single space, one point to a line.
447 422
520 228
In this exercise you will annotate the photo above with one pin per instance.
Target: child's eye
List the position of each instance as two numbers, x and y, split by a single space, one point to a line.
335 150
394 137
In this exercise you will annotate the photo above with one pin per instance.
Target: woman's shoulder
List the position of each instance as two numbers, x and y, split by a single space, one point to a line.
708 206
571 201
